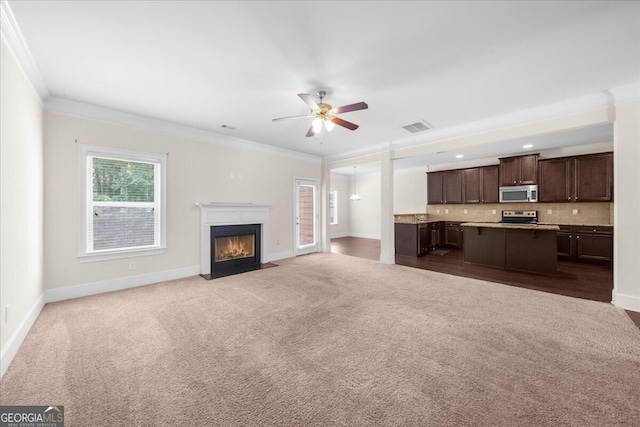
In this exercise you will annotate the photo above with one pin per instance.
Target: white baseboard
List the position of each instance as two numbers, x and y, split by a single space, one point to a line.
59 294
338 235
275 256
628 302
387 259
366 235
15 341
69 292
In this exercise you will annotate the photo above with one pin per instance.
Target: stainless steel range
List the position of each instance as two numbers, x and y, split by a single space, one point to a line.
520 217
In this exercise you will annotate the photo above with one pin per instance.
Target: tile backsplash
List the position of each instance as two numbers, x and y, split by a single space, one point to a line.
550 213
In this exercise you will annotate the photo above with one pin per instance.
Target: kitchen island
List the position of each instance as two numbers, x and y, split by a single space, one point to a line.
523 247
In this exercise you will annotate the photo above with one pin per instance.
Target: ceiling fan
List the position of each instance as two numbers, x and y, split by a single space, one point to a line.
325 113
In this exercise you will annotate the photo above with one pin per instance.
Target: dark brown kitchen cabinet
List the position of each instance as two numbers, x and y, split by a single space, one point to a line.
435 194
511 248
520 170
453 235
587 178
594 243
435 235
408 239
444 187
565 242
416 239
452 186
585 243
556 181
424 239
480 185
594 178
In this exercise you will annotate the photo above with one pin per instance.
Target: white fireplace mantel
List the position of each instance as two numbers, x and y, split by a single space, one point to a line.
230 214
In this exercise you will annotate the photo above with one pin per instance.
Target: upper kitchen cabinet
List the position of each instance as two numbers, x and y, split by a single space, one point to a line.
480 185
435 195
586 178
594 178
520 170
556 180
444 187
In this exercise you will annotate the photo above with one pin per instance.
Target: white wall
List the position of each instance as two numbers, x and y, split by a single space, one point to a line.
409 191
21 207
341 183
196 172
365 216
626 291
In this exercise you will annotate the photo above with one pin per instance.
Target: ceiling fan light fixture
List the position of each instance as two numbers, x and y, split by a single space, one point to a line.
329 125
317 125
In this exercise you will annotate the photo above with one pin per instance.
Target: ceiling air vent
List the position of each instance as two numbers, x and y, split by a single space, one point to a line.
420 126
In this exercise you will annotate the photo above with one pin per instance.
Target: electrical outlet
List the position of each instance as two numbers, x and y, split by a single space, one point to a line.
464 211
446 211
6 314
278 243
493 211
132 265
575 211
240 176
437 210
549 211
232 175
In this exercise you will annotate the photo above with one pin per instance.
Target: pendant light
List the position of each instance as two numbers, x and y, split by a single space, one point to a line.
354 197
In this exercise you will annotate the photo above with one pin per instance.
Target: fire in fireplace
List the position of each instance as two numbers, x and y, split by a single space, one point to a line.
234 249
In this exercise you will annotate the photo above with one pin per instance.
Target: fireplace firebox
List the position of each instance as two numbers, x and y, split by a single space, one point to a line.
234 249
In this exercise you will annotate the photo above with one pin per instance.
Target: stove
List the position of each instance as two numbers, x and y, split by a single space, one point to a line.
519 217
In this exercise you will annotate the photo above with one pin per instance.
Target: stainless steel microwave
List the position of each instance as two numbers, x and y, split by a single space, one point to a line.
519 193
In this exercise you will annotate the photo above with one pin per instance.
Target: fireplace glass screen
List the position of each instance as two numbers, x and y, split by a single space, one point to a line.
234 247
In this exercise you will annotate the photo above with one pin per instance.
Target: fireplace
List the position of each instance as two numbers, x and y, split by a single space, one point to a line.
233 238
234 249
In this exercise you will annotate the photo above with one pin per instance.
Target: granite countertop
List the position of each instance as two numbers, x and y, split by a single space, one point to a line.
548 227
426 221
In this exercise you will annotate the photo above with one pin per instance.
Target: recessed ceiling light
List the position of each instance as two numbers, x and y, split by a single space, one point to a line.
527 146
459 156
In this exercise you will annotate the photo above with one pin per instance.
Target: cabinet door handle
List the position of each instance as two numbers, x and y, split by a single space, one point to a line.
577 237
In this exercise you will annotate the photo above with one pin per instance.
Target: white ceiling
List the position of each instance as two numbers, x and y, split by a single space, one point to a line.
206 64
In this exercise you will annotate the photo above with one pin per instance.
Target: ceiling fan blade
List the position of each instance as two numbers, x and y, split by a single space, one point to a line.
351 107
291 117
310 132
309 101
344 123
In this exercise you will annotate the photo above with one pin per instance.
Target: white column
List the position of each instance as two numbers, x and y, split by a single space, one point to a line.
325 227
387 232
626 250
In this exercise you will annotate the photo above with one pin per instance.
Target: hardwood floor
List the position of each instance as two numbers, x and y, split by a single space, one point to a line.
588 281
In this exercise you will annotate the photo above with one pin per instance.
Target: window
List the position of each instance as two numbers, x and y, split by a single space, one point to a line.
122 203
333 207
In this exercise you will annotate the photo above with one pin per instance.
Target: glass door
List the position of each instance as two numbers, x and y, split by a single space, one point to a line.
306 217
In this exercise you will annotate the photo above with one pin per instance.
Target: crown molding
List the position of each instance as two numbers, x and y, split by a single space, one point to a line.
626 93
615 96
12 36
108 115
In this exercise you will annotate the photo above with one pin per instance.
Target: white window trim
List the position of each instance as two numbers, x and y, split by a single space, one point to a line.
85 182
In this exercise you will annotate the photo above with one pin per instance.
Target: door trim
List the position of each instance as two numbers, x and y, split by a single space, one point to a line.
297 250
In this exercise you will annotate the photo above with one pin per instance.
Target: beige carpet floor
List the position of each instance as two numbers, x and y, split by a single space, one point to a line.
331 340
